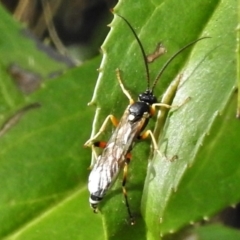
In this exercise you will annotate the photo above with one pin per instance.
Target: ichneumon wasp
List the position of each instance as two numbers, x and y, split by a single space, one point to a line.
116 152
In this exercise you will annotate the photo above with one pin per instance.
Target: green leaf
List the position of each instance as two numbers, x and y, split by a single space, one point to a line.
215 232
43 165
209 78
204 180
20 49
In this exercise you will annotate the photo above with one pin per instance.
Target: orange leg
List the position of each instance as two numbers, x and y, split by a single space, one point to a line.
114 121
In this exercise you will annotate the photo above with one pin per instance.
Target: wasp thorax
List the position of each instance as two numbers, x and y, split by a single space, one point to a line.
138 110
147 97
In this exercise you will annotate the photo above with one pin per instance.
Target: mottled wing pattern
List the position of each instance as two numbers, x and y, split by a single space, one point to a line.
109 163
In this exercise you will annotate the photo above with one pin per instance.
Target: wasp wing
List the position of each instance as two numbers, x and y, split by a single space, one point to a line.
110 162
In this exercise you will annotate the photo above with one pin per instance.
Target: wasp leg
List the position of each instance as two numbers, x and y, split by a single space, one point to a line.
125 170
99 144
125 91
171 106
171 159
167 99
114 121
164 105
148 133
155 146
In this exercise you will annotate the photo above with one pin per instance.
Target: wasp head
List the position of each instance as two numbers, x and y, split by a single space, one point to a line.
147 97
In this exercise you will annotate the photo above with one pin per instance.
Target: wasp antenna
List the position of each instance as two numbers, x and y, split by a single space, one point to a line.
141 47
172 58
